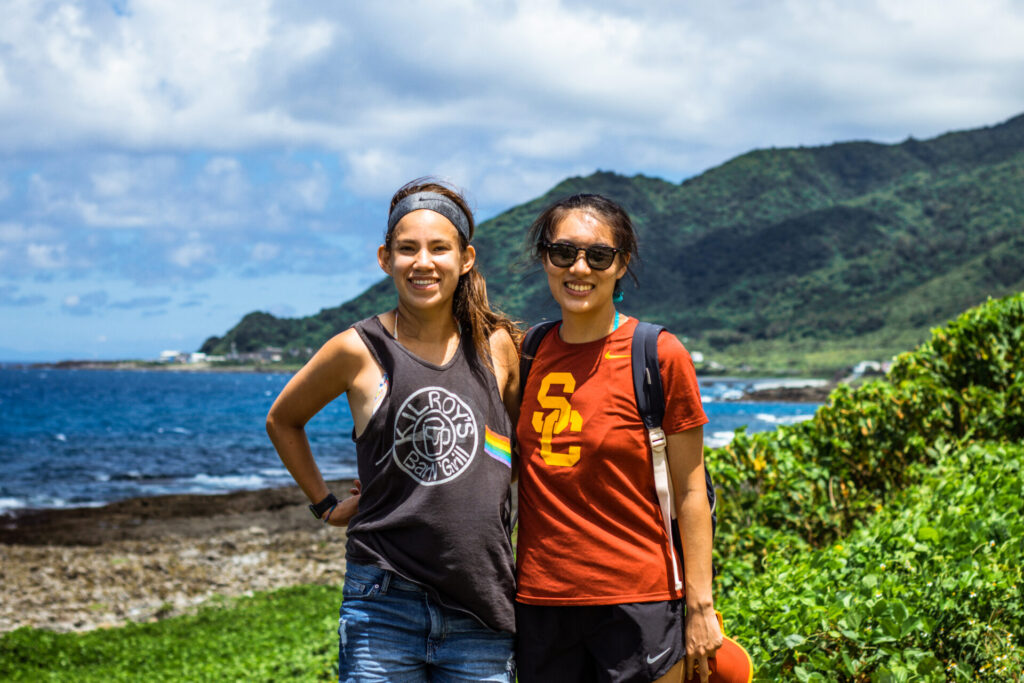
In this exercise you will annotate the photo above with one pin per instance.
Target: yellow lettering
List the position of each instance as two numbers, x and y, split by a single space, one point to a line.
562 416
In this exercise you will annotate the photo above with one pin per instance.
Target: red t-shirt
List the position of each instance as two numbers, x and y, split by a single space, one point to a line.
591 531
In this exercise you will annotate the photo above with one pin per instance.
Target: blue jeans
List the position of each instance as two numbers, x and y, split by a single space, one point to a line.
392 630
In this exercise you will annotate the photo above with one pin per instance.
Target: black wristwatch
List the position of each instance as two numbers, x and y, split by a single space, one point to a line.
323 506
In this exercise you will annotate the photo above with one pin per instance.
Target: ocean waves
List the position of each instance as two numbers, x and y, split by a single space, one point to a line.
79 438
88 437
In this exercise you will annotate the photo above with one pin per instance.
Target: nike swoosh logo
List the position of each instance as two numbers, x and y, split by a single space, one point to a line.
652 660
610 356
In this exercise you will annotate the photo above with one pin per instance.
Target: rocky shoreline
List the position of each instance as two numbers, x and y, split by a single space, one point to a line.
149 558
808 394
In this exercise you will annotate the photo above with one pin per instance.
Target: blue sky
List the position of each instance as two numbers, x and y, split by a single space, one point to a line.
167 167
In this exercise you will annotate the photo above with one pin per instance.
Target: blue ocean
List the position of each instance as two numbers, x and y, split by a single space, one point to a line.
71 438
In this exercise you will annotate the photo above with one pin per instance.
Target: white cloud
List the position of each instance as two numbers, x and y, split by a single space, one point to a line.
311 191
85 304
119 176
262 251
101 216
223 181
46 256
554 143
225 76
222 166
188 255
164 70
504 99
378 171
16 233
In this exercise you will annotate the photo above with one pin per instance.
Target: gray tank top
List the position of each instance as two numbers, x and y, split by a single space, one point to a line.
435 465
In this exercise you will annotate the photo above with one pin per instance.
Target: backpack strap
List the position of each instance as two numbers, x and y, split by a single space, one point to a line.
528 349
650 403
650 396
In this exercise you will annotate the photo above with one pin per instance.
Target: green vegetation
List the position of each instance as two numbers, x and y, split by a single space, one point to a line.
289 634
931 589
787 260
881 541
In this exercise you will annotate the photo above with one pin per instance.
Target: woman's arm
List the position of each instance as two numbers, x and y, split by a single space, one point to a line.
506 371
685 452
328 374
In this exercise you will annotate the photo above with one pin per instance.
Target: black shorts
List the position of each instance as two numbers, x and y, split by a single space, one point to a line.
637 641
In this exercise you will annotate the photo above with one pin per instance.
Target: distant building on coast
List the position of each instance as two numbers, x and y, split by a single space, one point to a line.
268 354
188 358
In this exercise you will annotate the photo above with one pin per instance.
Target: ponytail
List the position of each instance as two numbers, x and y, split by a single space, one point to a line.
474 314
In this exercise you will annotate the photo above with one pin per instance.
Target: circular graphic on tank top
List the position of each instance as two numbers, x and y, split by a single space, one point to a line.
435 436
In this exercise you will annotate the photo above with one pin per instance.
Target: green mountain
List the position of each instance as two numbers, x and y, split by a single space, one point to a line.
796 258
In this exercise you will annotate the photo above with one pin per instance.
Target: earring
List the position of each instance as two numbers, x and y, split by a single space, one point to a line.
617 297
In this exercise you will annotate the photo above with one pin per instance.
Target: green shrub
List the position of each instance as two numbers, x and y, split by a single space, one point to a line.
975 366
930 590
810 483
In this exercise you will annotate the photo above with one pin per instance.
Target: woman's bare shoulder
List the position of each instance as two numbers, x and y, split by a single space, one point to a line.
332 371
341 357
503 348
347 342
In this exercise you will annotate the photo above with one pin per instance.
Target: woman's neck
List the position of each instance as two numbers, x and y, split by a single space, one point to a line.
431 335
580 328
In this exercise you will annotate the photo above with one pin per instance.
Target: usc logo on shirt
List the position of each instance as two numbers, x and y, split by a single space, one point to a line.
560 418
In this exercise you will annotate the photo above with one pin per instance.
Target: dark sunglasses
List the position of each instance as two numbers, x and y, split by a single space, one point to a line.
563 255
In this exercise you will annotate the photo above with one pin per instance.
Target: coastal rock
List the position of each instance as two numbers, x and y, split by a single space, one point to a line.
148 559
806 394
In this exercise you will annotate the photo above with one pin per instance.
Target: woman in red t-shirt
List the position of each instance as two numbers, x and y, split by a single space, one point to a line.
601 594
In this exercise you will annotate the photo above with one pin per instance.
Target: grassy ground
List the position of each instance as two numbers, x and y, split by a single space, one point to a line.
290 634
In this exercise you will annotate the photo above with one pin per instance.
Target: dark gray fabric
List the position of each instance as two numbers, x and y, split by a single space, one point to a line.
431 201
436 507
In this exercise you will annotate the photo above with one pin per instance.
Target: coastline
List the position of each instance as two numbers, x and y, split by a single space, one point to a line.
812 392
144 365
145 559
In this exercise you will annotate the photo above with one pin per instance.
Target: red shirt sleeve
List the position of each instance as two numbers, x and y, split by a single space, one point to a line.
683 407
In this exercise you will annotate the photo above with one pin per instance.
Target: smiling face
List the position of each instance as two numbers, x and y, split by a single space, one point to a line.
425 259
579 289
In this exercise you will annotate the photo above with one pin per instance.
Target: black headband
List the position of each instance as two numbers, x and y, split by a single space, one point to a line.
432 201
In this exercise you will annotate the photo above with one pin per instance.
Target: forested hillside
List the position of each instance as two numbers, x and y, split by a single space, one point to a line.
856 248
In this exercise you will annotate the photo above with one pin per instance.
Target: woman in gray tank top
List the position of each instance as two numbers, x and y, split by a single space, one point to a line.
429 580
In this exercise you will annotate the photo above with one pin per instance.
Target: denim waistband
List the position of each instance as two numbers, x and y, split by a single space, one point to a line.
386 579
